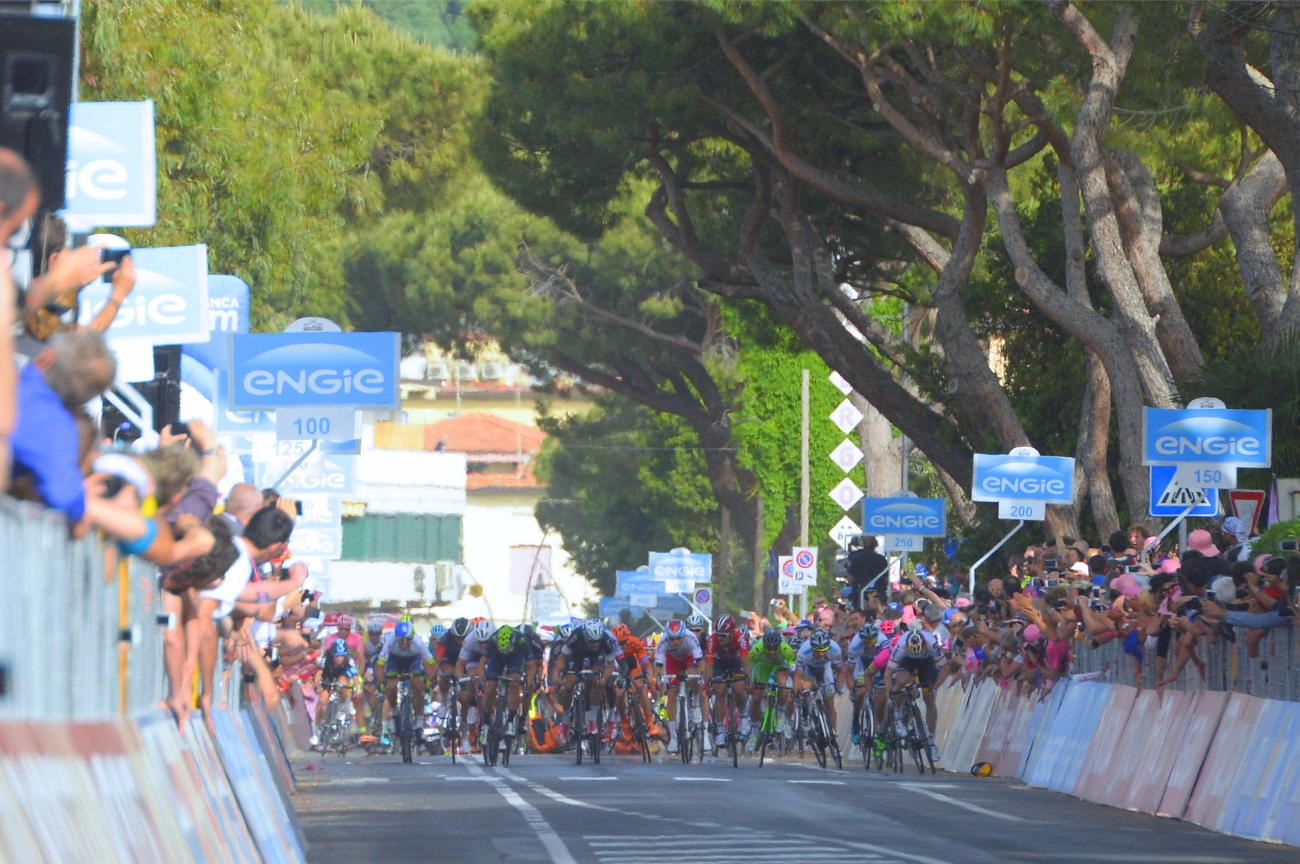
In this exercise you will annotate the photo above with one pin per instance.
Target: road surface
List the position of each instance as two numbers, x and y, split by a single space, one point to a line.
547 810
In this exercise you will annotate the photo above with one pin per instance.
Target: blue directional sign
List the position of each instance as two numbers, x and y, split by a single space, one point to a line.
112 166
680 566
1170 500
228 302
358 370
1023 478
170 301
923 516
1220 435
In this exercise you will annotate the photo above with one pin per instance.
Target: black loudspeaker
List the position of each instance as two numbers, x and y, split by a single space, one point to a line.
35 92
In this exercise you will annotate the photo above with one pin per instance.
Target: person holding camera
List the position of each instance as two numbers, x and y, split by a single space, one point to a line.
866 567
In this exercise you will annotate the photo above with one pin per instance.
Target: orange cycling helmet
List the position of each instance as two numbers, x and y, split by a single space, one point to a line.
622 634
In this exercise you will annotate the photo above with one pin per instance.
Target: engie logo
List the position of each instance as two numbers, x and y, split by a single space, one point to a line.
924 516
1023 478
111 171
681 564
168 303
290 369
1220 435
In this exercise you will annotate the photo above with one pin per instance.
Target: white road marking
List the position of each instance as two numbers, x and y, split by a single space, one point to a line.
352 781
703 779
583 777
1190 859
550 840
666 849
818 782
551 793
924 789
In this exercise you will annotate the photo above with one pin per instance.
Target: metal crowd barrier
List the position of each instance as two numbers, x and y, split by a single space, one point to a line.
79 636
1275 674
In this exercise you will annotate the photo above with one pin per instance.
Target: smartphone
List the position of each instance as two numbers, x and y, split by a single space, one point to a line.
1051 564
1037 582
1052 583
297 505
1132 568
113 256
1290 546
1097 591
112 485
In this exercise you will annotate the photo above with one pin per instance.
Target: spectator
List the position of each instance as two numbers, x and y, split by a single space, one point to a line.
1097 566
19 198
45 440
1201 541
242 502
865 567
1235 530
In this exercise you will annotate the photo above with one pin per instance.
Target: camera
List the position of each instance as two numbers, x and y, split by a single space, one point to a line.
1132 568
297 506
1290 546
1051 565
114 256
112 485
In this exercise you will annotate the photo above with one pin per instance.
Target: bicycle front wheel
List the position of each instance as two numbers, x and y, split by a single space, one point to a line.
579 725
598 738
405 722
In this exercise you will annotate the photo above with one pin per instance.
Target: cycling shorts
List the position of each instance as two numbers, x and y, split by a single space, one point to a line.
924 668
820 673
674 666
500 664
629 666
763 671
576 663
728 668
409 665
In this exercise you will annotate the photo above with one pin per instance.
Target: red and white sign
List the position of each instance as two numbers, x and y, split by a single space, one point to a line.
1246 506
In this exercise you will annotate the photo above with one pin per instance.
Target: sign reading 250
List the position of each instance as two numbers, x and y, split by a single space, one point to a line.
359 370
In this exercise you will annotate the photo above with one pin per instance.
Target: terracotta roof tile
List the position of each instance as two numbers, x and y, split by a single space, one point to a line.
480 433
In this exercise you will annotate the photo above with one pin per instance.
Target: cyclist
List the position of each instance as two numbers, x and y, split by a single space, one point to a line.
339 671
506 653
679 654
533 658
866 643
447 651
817 665
918 655
589 645
699 627
467 665
371 649
404 653
633 667
770 659
726 656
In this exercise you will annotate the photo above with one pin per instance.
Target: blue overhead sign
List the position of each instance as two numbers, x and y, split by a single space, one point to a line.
358 370
112 167
228 301
1220 435
170 301
923 516
670 604
1170 500
1023 478
681 565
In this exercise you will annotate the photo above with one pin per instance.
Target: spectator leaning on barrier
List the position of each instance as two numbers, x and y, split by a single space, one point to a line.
242 502
19 198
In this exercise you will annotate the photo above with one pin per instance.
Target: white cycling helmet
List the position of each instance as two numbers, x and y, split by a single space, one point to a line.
483 631
593 630
820 640
915 644
697 622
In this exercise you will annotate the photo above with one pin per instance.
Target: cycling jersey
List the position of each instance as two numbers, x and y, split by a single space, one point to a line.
354 642
932 650
688 647
471 650
634 656
405 660
334 670
806 659
448 648
733 649
372 650
500 662
576 649
765 664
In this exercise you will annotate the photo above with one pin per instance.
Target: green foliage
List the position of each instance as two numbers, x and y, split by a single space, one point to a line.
434 22
1270 541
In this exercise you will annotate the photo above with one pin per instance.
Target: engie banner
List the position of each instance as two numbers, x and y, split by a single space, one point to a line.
1023 478
359 370
112 166
228 301
169 305
924 516
1199 435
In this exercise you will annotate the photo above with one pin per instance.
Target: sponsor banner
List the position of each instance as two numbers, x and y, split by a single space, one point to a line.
1156 753
670 604
1023 478
639 582
112 166
920 516
1211 435
1224 760
232 422
1101 759
331 423
169 305
358 370
1030 511
1128 747
681 566
1205 708
228 303
319 472
1260 805
320 511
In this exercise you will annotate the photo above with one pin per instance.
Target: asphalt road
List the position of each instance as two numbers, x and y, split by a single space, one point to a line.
547 810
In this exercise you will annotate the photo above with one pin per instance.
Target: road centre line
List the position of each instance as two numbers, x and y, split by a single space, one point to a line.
924 789
550 840
818 782
703 779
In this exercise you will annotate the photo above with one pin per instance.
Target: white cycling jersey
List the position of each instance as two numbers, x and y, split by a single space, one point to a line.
806 659
932 650
417 648
689 648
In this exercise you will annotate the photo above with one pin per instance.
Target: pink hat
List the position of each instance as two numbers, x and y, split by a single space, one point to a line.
1201 542
1169 565
1127 585
1259 562
963 602
1032 633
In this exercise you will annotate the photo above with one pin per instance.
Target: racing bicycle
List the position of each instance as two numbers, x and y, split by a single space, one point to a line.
905 730
578 717
767 734
730 716
404 717
334 731
499 743
636 718
690 734
817 729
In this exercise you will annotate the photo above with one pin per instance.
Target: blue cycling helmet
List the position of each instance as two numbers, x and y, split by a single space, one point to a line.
339 648
437 632
404 630
947 615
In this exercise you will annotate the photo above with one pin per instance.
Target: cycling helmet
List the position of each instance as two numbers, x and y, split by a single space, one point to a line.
869 632
527 630
407 619
593 630
820 640
771 641
460 628
622 634
887 627
437 631
404 630
345 623
726 624
339 648
564 631
483 631
915 644
374 625
508 639
676 629
697 622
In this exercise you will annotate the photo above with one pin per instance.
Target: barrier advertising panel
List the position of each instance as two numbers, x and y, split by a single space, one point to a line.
1223 762
1101 758
1202 722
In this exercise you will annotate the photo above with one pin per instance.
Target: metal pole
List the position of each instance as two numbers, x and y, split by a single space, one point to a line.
803 484
988 554
1182 536
294 466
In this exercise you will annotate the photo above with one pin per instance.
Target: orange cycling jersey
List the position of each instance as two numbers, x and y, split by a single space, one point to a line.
634 652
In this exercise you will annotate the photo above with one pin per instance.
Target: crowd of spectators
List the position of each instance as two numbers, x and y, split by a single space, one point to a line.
224 567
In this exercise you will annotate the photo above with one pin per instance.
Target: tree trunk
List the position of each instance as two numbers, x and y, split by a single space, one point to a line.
1245 208
760 556
881 459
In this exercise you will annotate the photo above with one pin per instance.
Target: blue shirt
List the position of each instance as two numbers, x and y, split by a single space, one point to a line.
45 445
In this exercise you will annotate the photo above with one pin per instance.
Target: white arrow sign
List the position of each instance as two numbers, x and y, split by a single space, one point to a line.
847 455
846 494
846 416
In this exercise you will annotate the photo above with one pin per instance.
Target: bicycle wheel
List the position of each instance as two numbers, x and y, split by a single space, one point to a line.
733 731
598 738
833 747
922 746
452 734
816 728
578 714
404 723
766 729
